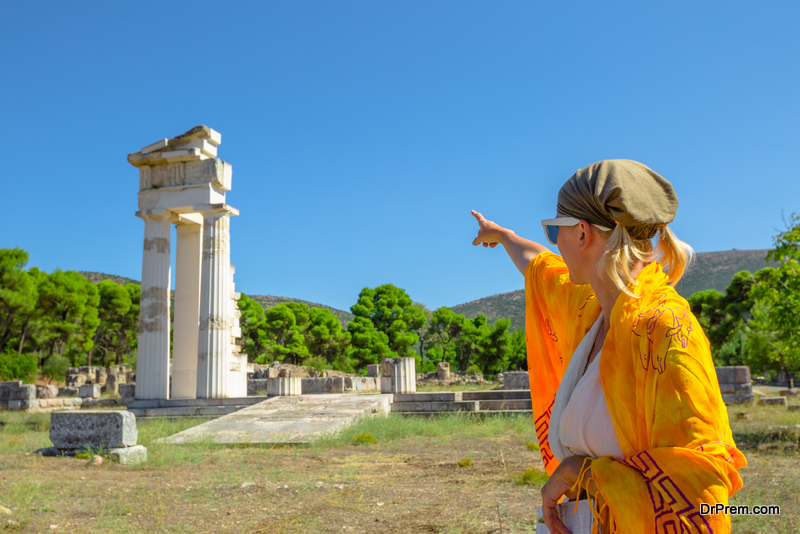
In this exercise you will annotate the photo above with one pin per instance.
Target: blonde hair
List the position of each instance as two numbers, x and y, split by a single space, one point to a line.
623 251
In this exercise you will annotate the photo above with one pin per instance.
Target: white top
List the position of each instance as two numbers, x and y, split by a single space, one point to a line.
580 423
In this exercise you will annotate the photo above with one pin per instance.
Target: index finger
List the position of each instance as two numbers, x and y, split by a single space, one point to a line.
477 216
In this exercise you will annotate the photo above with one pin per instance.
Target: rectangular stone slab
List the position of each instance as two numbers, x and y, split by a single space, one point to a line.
101 428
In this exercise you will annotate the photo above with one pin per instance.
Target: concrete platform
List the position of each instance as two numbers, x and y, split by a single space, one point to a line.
191 407
434 406
497 394
286 419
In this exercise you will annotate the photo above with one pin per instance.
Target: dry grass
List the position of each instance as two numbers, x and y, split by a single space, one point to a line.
409 481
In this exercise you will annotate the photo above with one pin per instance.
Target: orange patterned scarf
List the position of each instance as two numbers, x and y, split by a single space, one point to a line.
665 403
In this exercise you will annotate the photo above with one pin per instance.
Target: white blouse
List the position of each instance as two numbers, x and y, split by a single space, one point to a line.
580 423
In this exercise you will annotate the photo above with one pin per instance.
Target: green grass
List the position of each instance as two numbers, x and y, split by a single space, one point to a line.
531 477
444 429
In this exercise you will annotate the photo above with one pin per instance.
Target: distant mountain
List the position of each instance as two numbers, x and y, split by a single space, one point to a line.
714 270
268 301
510 305
711 270
99 277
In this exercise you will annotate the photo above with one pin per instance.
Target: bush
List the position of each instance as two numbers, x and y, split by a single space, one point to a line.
55 368
13 367
532 446
316 363
365 439
466 462
531 477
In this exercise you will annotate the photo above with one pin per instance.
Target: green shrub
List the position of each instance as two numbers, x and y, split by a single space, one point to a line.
531 477
316 363
532 446
365 439
13 367
466 462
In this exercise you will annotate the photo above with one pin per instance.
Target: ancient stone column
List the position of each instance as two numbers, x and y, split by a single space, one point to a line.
188 259
152 356
398 375
214 341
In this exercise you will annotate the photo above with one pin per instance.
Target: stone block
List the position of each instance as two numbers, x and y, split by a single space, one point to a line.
100 376
47 392
742 374
737 398
310 386
516 380
773 401
373 369
726 375
788 393
107 429
727 388
794 407
113 381
129 455
127 390
14 405
333 384
6 389
91 391
25 392
32 404
254 386
284 386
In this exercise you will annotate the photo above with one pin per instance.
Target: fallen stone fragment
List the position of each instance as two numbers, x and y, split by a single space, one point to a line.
773 401
98 429
129 455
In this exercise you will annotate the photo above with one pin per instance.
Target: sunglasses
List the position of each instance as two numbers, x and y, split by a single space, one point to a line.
551 227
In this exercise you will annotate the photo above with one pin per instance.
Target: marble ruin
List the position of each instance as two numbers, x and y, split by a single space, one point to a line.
182 182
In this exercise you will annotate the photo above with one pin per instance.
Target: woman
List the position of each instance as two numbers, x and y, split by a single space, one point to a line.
627 405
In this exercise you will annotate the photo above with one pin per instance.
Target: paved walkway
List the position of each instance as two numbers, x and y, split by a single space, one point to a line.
286 419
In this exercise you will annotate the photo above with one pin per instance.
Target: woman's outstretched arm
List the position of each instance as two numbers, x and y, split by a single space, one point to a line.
521 251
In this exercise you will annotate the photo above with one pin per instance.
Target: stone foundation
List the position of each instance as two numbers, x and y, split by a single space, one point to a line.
734 384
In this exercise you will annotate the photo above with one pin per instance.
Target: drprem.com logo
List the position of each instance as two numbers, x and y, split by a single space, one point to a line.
719 508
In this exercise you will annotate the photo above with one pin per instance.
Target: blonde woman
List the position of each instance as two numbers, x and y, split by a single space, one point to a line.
627 406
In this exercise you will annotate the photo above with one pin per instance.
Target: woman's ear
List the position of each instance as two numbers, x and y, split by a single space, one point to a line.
585 229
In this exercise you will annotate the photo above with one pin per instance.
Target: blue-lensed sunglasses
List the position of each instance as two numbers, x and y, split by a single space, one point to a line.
551 227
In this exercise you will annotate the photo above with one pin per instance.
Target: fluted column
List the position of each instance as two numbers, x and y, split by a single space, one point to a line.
188 259
214 341
152 355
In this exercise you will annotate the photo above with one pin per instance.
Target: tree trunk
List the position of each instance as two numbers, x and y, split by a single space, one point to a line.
22 339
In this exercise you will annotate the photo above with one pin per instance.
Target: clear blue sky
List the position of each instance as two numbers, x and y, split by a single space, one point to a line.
362 133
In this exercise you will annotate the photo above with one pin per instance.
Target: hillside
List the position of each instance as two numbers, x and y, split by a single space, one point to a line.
711 270
99 277
510 305
714 270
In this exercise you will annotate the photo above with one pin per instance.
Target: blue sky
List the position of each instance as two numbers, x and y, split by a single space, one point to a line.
362 133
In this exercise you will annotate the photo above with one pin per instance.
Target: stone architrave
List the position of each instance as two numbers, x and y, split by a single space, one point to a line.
182 182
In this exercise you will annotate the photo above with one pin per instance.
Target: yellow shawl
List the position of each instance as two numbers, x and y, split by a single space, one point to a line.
662 392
